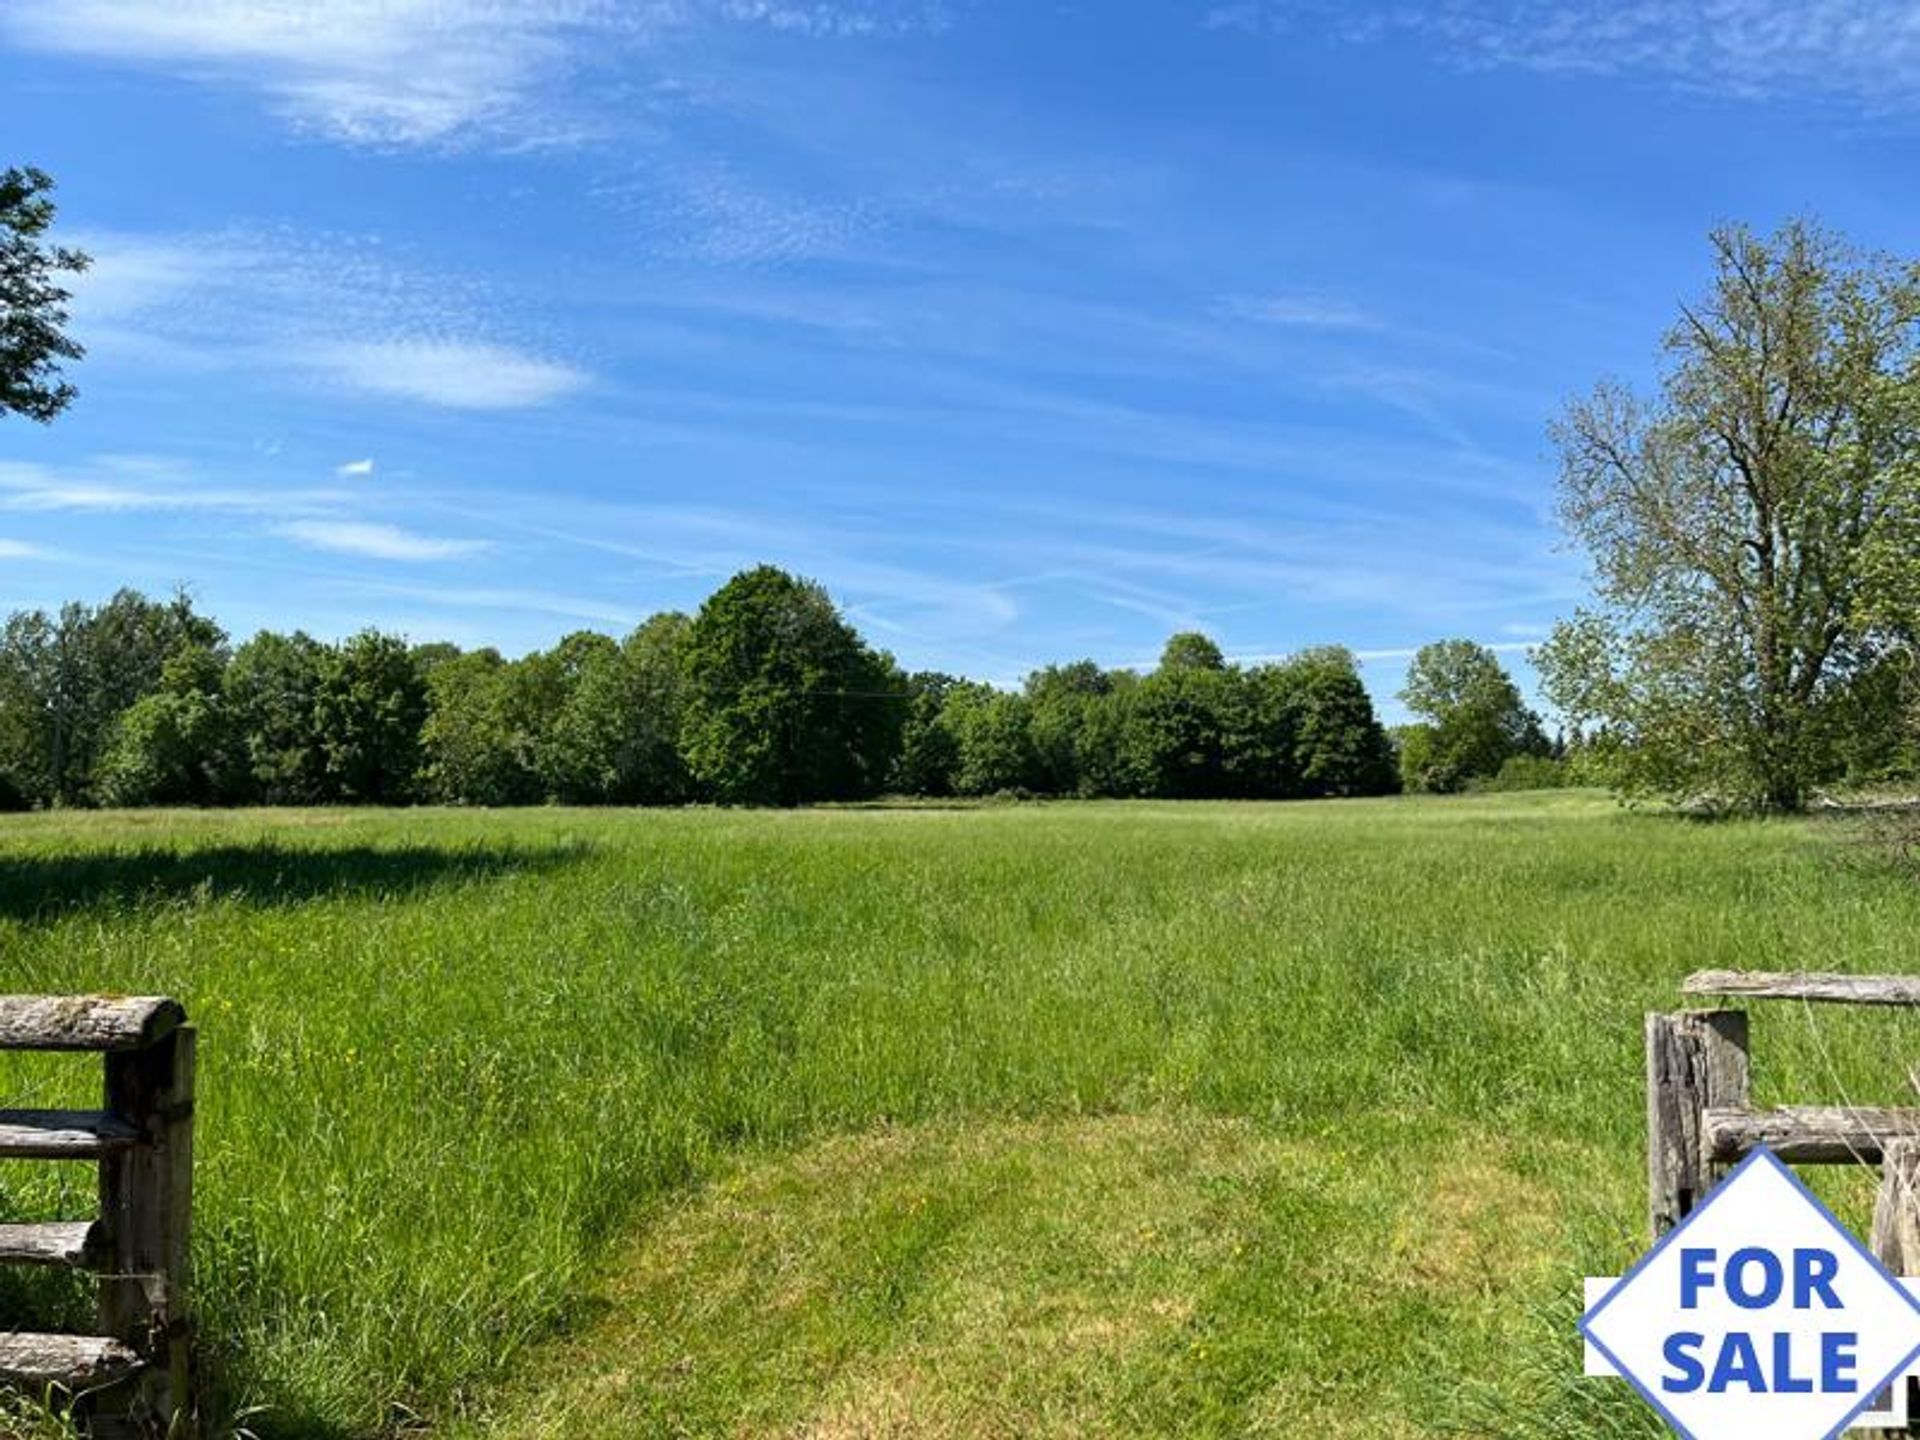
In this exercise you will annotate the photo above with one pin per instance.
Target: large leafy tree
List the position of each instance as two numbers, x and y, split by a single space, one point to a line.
785 703
929 752
1265 736
1476 718
993 740
617 737
369 708
1732 517
1107 759
65 681
1059 699
174 745
538 690
1182 721
33 299
468 743
272 689
1339 745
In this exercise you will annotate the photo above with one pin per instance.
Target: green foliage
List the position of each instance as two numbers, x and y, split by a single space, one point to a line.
1750 527
1868 729
272 689
369 708
33 299
993 741
769 696
174 745
1340 747
1264 733
1476 718
785 703
431 656
468 743
29 678
1416 749
1198 728
1180 726
617 737
1059 699
65 681
1528 772
1190 650
929 754
538 690
588 722
1107 756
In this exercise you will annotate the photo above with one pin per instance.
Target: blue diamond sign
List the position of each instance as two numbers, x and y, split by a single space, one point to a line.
1760 1317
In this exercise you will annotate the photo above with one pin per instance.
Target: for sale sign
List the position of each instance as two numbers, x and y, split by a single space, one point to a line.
1760 1317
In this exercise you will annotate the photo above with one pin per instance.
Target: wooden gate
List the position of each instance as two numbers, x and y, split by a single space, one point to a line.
132 1377
1701 1122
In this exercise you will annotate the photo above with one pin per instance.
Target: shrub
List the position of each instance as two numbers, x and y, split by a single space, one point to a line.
1528 772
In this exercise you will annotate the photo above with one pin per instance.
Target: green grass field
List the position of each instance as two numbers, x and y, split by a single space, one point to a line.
1067 1120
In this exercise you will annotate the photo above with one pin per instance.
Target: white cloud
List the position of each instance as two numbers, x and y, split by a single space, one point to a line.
1407 652
137 483
543 602
376 541
1313 312
440 73
129 274
458 374
21 550
370 71
1245 15
711 212
354 468
293 305
1866 52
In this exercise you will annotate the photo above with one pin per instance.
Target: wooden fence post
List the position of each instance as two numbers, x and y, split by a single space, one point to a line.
1696 1060
1896 1222
131 1380
1896 1209
146 1199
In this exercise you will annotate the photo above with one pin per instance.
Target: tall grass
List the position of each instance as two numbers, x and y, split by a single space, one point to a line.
449 1058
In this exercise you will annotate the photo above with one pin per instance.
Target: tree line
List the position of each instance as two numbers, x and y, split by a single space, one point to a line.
1752 525
765 696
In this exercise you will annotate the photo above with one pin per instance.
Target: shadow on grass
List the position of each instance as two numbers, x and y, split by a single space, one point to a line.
40 888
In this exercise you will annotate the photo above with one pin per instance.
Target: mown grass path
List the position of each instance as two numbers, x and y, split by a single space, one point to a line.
1072 1119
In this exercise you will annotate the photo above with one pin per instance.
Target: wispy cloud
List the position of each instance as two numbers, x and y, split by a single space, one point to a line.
441 73
368 71
319 519
373 541
1866 52
1407 652
135 483
712 212
541 602
458 375
354 469
300 306
1306 311
21 550
832 17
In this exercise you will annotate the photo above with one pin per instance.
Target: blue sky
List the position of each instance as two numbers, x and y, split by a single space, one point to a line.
1032 330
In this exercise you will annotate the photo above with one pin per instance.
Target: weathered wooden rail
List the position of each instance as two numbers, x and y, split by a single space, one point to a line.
1700 1122
132 1378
